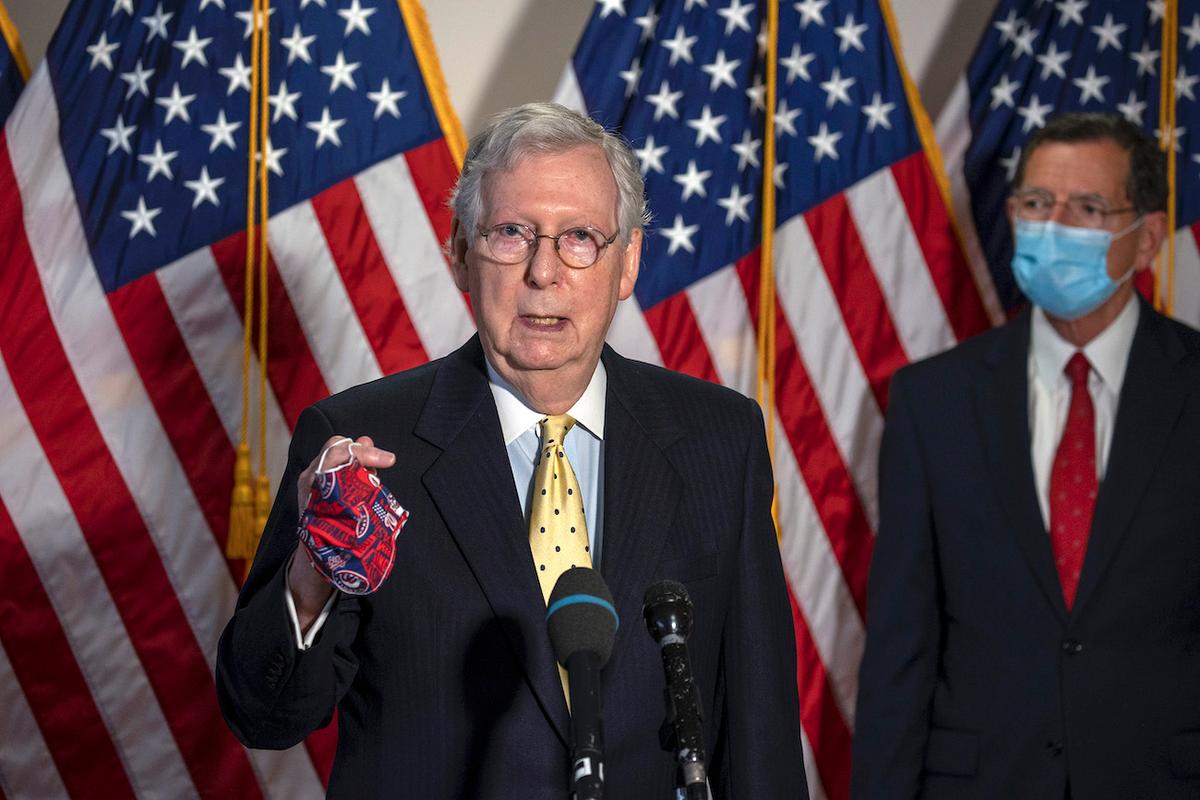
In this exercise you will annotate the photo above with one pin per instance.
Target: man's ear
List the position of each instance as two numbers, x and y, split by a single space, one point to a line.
458 255
1151 235
631 260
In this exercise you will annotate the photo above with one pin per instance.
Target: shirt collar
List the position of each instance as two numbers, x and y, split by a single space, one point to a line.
516 417
1108 353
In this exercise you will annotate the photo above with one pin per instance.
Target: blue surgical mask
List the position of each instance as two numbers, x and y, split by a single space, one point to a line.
1063 269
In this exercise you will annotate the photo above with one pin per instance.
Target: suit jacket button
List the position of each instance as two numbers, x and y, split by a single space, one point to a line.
1072 647
1054 748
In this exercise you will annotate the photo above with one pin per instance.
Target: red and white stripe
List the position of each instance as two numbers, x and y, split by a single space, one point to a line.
119 418
954 136
865 282
16 715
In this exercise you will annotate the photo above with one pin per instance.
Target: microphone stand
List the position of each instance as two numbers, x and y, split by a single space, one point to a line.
667 610
587 737
691 781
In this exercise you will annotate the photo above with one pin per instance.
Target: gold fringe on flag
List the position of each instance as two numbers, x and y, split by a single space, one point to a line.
925 131
251 500
1164 286
431 70
766 270
9 32
933 153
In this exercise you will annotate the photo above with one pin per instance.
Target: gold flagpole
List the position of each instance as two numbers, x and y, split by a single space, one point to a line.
262 488
766 272
1164 286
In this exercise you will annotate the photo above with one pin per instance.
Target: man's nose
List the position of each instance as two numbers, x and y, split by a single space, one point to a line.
544 262
1060 213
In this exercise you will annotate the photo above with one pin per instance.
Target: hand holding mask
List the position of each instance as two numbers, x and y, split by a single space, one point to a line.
349 525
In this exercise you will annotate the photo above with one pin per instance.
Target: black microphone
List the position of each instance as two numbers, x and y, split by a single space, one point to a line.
582 622
668 612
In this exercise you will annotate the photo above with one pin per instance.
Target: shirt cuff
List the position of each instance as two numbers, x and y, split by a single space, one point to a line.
304 640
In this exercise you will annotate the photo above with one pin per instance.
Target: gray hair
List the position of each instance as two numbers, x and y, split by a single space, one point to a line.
547 128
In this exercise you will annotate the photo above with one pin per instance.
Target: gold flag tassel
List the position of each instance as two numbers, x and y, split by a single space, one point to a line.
244 527
1164 284
766 271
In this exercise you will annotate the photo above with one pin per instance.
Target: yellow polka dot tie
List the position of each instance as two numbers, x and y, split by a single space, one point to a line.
558 536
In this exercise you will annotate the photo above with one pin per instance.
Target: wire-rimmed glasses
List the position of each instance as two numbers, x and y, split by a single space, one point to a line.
1083 210
578 247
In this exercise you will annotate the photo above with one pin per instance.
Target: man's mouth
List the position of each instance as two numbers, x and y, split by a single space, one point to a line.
542 320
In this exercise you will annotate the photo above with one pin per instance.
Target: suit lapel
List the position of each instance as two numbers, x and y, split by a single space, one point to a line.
1152 398
641 490
1003 408
471 484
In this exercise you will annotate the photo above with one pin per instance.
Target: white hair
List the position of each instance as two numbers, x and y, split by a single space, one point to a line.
547 128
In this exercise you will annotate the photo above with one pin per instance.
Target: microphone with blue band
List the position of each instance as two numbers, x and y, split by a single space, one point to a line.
583 598
582 622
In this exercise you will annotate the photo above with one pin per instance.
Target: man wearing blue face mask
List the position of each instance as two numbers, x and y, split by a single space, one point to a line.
1034 622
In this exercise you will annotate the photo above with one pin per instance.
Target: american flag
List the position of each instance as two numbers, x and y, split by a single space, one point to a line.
867 273
1038 58
122 206
14 70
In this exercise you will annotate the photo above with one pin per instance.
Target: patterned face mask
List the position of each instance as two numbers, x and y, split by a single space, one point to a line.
349 526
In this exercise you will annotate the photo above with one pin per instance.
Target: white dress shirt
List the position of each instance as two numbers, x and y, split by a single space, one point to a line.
519 427
1050 390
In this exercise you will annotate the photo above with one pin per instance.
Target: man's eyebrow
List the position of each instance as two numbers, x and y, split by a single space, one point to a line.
1071 196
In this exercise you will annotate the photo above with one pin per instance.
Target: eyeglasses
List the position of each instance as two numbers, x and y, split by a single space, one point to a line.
1082 210
512 243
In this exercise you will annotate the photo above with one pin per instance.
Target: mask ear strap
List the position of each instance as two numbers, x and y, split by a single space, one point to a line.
1137 223
1129 273
325 452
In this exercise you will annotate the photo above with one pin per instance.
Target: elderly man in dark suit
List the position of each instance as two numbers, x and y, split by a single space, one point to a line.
1034 623
444 679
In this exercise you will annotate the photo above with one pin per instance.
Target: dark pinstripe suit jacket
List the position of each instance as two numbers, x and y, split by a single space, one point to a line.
444 679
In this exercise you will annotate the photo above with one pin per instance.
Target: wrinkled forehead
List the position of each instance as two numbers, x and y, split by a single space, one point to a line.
579 178
1093 166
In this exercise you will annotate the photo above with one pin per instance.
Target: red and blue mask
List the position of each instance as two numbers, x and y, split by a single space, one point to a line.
349 526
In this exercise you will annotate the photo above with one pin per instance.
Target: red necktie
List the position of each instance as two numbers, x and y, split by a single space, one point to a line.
1073 481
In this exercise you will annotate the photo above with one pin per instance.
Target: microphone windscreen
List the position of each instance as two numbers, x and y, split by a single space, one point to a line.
580 615
665 592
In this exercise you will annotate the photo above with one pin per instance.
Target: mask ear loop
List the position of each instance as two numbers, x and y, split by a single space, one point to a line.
1137 223
325 452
